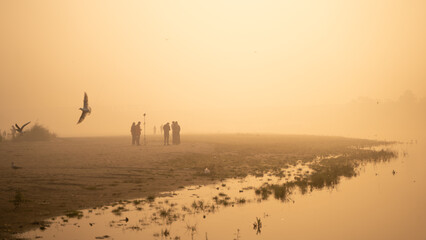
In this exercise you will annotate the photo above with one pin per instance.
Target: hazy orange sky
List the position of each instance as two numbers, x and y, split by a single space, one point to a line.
215 66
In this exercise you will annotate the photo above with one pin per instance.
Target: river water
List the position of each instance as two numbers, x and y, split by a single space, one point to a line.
377 204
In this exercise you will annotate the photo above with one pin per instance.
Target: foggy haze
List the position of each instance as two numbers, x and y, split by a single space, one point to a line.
285 115
296 67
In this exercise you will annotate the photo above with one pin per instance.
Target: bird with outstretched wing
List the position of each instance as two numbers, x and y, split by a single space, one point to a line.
85 109
21 129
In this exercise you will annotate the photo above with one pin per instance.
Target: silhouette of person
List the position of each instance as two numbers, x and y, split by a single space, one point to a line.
166 130
155 130
133 132
138 131
161 129
177 130
173 132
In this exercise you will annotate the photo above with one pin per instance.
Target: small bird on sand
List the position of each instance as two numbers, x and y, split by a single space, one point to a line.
21 129
15 167
85 109
393 172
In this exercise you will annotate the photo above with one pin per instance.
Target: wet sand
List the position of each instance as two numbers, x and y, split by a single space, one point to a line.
76 173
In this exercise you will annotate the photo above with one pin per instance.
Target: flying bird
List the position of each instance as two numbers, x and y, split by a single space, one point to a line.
85 109
20 129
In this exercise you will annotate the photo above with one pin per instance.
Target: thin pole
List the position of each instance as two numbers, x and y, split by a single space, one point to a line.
144 139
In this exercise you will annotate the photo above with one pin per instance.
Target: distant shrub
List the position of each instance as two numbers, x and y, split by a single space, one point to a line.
36 133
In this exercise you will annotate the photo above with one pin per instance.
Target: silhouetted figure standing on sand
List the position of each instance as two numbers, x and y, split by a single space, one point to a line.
177 130
166 129
161 129
138 132
133 132
173 132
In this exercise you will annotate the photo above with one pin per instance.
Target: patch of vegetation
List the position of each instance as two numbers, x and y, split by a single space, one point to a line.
327 173
36 133
150 198
198 205
74 214
222 199
257 225
165 232
165 213
117 211
263 191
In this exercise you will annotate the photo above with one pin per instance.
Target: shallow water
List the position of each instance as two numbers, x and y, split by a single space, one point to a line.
376 204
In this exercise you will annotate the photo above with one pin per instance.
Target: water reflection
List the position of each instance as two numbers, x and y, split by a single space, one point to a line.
244 208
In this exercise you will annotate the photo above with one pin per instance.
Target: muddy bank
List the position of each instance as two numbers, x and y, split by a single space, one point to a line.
76 173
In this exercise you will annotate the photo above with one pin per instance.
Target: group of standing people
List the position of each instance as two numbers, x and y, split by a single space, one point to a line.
175 133
136 131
